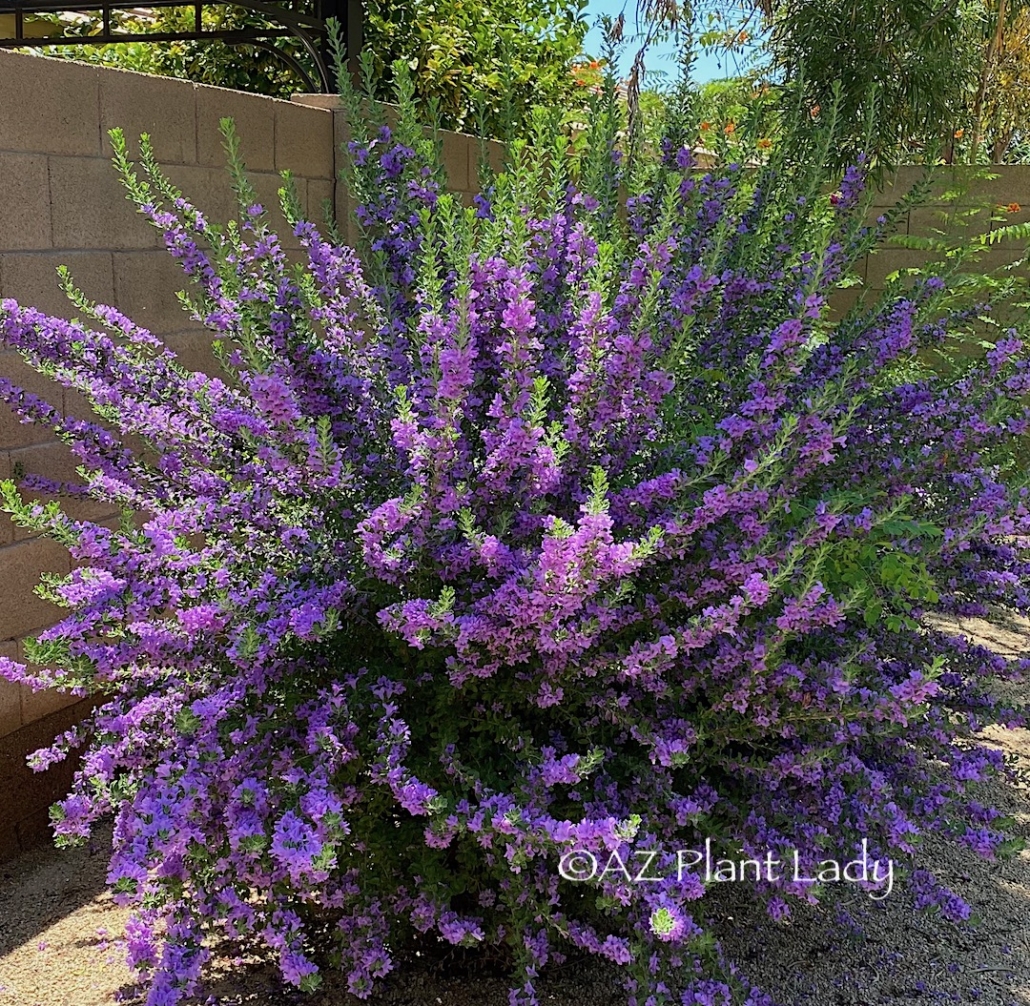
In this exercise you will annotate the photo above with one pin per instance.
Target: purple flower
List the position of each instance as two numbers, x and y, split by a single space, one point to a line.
531 535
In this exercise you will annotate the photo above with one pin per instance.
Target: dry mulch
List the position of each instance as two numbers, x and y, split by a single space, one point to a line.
59 932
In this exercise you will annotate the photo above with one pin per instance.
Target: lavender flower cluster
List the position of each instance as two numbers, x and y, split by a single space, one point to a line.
558 522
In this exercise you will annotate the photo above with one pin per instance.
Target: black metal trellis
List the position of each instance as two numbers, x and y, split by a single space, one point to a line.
303 21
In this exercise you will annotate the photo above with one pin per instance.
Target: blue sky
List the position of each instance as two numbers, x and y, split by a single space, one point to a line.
706 67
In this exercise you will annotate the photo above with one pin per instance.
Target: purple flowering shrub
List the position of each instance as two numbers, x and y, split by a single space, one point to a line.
544 529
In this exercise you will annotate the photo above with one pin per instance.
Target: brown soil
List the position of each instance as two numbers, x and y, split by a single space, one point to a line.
59 931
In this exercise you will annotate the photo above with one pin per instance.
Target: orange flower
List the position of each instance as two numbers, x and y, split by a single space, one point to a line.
959 133
729 128
705 126
816 109
594 64
1013 207
743 37
764 143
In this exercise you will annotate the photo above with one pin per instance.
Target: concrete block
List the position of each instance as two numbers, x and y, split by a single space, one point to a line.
267 188
304 141
161 106
874 213
344 209
254 116
193 350
49 105
330 102
455 156
955 222
36 705
379 113
24 202
21 611
6 525
842 301
886 260
967 184
295 255
1009 217
27 794
997 258
341 137
13 432
145 286
208 189
928 221
35 829
77 405
893 188
10 847
90 209
10 704
1010 184
31 279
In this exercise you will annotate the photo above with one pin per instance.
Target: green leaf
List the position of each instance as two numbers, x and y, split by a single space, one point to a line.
872 613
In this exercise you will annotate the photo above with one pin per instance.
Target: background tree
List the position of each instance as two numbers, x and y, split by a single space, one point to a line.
908 65
950 77
488 60
738 112
1001 103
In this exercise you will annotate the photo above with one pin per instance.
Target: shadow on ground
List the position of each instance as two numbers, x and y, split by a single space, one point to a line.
41 887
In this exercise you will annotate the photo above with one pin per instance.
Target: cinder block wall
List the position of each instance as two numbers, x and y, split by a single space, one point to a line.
61 203
978 201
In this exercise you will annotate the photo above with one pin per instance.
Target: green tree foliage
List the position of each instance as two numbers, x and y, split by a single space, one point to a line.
941 78
1000 105
484 64
738 116
905 64
901 74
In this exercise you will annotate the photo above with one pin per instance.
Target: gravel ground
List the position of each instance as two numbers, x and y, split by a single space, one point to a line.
59 934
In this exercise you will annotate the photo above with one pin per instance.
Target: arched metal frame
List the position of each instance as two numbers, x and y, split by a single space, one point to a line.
284 20
288 58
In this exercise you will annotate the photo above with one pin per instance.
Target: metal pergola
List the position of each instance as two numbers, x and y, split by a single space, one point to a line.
303 20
